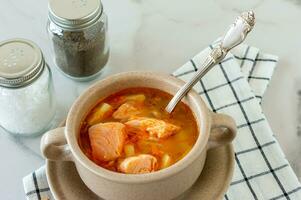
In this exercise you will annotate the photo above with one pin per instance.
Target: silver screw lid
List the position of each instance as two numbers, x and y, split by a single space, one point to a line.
21 62
74 14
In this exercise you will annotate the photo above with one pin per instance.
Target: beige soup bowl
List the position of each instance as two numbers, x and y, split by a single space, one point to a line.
61 144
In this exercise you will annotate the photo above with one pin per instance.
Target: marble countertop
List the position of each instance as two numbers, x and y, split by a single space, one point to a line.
160 36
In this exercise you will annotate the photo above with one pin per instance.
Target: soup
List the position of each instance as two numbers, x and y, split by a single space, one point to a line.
130 132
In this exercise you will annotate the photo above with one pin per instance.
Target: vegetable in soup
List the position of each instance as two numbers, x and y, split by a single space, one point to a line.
130 132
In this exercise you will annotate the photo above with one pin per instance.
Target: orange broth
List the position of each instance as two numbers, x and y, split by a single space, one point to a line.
175 146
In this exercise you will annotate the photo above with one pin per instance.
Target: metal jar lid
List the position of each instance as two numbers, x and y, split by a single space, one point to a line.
74 14
21 62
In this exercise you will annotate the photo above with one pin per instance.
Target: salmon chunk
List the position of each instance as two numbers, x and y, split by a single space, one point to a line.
107 140
126 111
140 164
155 127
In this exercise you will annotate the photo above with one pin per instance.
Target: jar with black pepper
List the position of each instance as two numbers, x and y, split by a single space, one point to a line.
78 30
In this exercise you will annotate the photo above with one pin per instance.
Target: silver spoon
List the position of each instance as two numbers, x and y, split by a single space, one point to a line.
235 35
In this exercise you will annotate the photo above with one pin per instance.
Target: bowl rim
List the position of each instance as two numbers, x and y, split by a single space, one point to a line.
199 147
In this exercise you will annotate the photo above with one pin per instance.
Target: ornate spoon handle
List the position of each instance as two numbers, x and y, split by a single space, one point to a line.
234 36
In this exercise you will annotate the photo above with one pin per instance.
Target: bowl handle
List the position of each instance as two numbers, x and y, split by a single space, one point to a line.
54 146
223 130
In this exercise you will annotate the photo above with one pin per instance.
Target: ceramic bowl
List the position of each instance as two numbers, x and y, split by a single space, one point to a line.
61 144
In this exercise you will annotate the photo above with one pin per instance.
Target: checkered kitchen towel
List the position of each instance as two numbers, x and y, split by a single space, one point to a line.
261 170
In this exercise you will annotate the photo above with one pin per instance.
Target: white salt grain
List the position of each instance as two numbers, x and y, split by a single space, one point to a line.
28 110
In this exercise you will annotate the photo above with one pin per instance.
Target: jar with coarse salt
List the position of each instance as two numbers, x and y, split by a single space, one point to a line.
27 104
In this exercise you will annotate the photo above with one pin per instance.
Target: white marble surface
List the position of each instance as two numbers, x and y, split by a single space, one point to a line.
160 36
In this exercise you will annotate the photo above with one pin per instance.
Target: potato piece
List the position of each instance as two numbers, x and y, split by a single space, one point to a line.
101 112
181 136
129 150
187 149
184 145
165 161
136 97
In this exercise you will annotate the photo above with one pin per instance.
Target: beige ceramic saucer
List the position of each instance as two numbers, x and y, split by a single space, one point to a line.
65 183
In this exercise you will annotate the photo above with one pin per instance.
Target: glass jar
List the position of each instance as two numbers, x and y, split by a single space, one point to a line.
27 104
78 31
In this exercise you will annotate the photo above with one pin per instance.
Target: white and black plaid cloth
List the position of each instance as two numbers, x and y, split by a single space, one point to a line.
234 87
